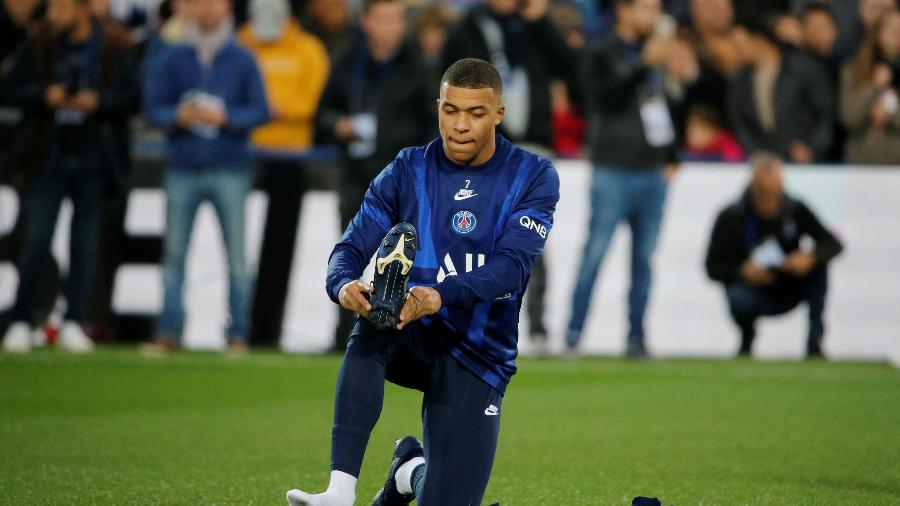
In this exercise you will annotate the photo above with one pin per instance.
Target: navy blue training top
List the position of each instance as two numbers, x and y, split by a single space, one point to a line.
480 228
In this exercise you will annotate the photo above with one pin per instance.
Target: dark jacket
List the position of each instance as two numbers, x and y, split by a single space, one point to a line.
804 105
738 232
867 143
234 78
618 84
396 91
536 47
115 79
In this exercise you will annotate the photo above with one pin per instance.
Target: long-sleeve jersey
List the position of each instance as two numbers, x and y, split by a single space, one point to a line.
480 229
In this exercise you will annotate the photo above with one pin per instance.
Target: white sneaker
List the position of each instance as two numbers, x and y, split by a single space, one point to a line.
73 339
17 338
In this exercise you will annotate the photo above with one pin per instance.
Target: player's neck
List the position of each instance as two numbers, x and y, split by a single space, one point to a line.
487 153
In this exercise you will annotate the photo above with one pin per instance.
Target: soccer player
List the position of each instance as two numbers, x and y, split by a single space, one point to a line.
482 208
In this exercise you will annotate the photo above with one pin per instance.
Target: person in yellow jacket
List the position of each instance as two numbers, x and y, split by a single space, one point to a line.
295 68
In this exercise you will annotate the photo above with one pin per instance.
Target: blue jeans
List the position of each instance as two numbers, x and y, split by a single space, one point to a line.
226 188
636 197
42 201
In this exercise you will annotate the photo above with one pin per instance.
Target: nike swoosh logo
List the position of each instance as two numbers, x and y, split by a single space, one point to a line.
464 197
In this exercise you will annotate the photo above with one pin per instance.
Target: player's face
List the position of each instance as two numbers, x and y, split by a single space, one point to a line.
468 119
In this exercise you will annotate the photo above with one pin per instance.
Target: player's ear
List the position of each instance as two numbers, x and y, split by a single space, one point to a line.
500 112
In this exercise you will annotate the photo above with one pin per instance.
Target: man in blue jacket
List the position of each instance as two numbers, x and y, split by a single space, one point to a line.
208 95
482 208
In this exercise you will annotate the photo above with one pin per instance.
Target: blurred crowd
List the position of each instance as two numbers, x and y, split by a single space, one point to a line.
629 84
814 80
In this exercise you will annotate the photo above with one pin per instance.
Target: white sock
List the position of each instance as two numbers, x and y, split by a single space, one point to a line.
341 492
403 476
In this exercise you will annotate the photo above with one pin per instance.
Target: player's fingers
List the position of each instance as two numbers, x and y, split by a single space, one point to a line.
409 313
359 302
364 288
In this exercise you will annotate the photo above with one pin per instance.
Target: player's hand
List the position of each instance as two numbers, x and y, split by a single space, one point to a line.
756 275
421 301
353 297
799 263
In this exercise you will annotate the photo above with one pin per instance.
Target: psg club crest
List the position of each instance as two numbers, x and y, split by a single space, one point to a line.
464 222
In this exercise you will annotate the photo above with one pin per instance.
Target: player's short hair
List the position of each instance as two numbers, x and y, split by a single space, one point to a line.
473 74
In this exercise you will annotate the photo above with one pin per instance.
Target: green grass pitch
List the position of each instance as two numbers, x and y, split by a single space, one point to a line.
201 429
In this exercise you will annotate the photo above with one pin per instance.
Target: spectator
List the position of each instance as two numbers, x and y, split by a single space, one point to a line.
568 121
819 37
430 31
208 95
377 101
330 21
295 67
854 27
783 101
75 84
707 140
631 140
819 30
712 36
15 16
869 96
758 252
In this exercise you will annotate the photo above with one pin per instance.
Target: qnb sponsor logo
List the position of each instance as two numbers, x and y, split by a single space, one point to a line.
449 268
535 225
